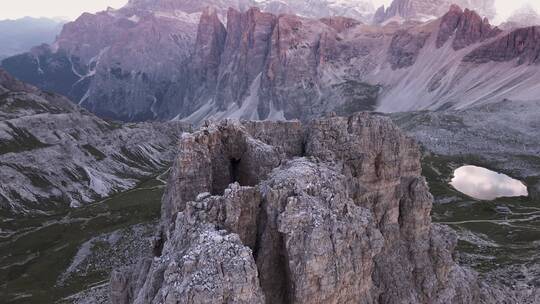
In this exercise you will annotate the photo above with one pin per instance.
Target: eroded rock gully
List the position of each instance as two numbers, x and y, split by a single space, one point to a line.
334 211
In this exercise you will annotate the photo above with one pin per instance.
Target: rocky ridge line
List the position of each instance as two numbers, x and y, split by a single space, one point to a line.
334 211
54 153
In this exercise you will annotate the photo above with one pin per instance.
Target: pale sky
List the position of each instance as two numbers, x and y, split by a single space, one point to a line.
12 9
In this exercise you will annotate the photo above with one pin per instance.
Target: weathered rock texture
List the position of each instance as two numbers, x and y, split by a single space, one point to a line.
522 45
467 27
53 153
172 59
272 67
334 211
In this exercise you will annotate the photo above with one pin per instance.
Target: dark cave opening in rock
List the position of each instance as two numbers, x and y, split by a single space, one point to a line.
230 170
158 244
234 170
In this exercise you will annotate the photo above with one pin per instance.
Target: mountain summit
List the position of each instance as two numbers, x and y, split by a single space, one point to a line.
151 61
422 10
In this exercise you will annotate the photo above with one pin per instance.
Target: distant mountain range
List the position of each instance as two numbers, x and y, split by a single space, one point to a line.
423 10
18 36
171 59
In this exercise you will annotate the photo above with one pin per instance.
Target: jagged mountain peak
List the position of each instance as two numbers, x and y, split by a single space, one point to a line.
268 212
466 26
423 10
259 65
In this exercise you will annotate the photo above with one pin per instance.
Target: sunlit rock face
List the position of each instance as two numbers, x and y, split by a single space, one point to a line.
485 184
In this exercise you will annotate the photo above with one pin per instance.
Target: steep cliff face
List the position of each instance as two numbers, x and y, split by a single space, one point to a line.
245 54
334 211
287 67
101 61
522 45
146 62
467 27
272 67
405 47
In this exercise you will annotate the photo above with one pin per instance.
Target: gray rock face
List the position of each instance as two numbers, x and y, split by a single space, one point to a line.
53 153
334 211
272 67
102 60
502 137
405 47
131 64
154 60
467 26
521 45
245 54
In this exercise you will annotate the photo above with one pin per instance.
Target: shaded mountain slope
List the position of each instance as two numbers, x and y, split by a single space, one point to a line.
52 153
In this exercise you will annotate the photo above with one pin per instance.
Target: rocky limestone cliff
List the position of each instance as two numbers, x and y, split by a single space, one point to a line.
466 26
123 64
333 211
272 67
522 45
405 48
148 63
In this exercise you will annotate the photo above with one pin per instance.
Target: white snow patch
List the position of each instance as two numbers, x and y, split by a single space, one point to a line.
73 68
134 18
85 97
40 70
153 106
